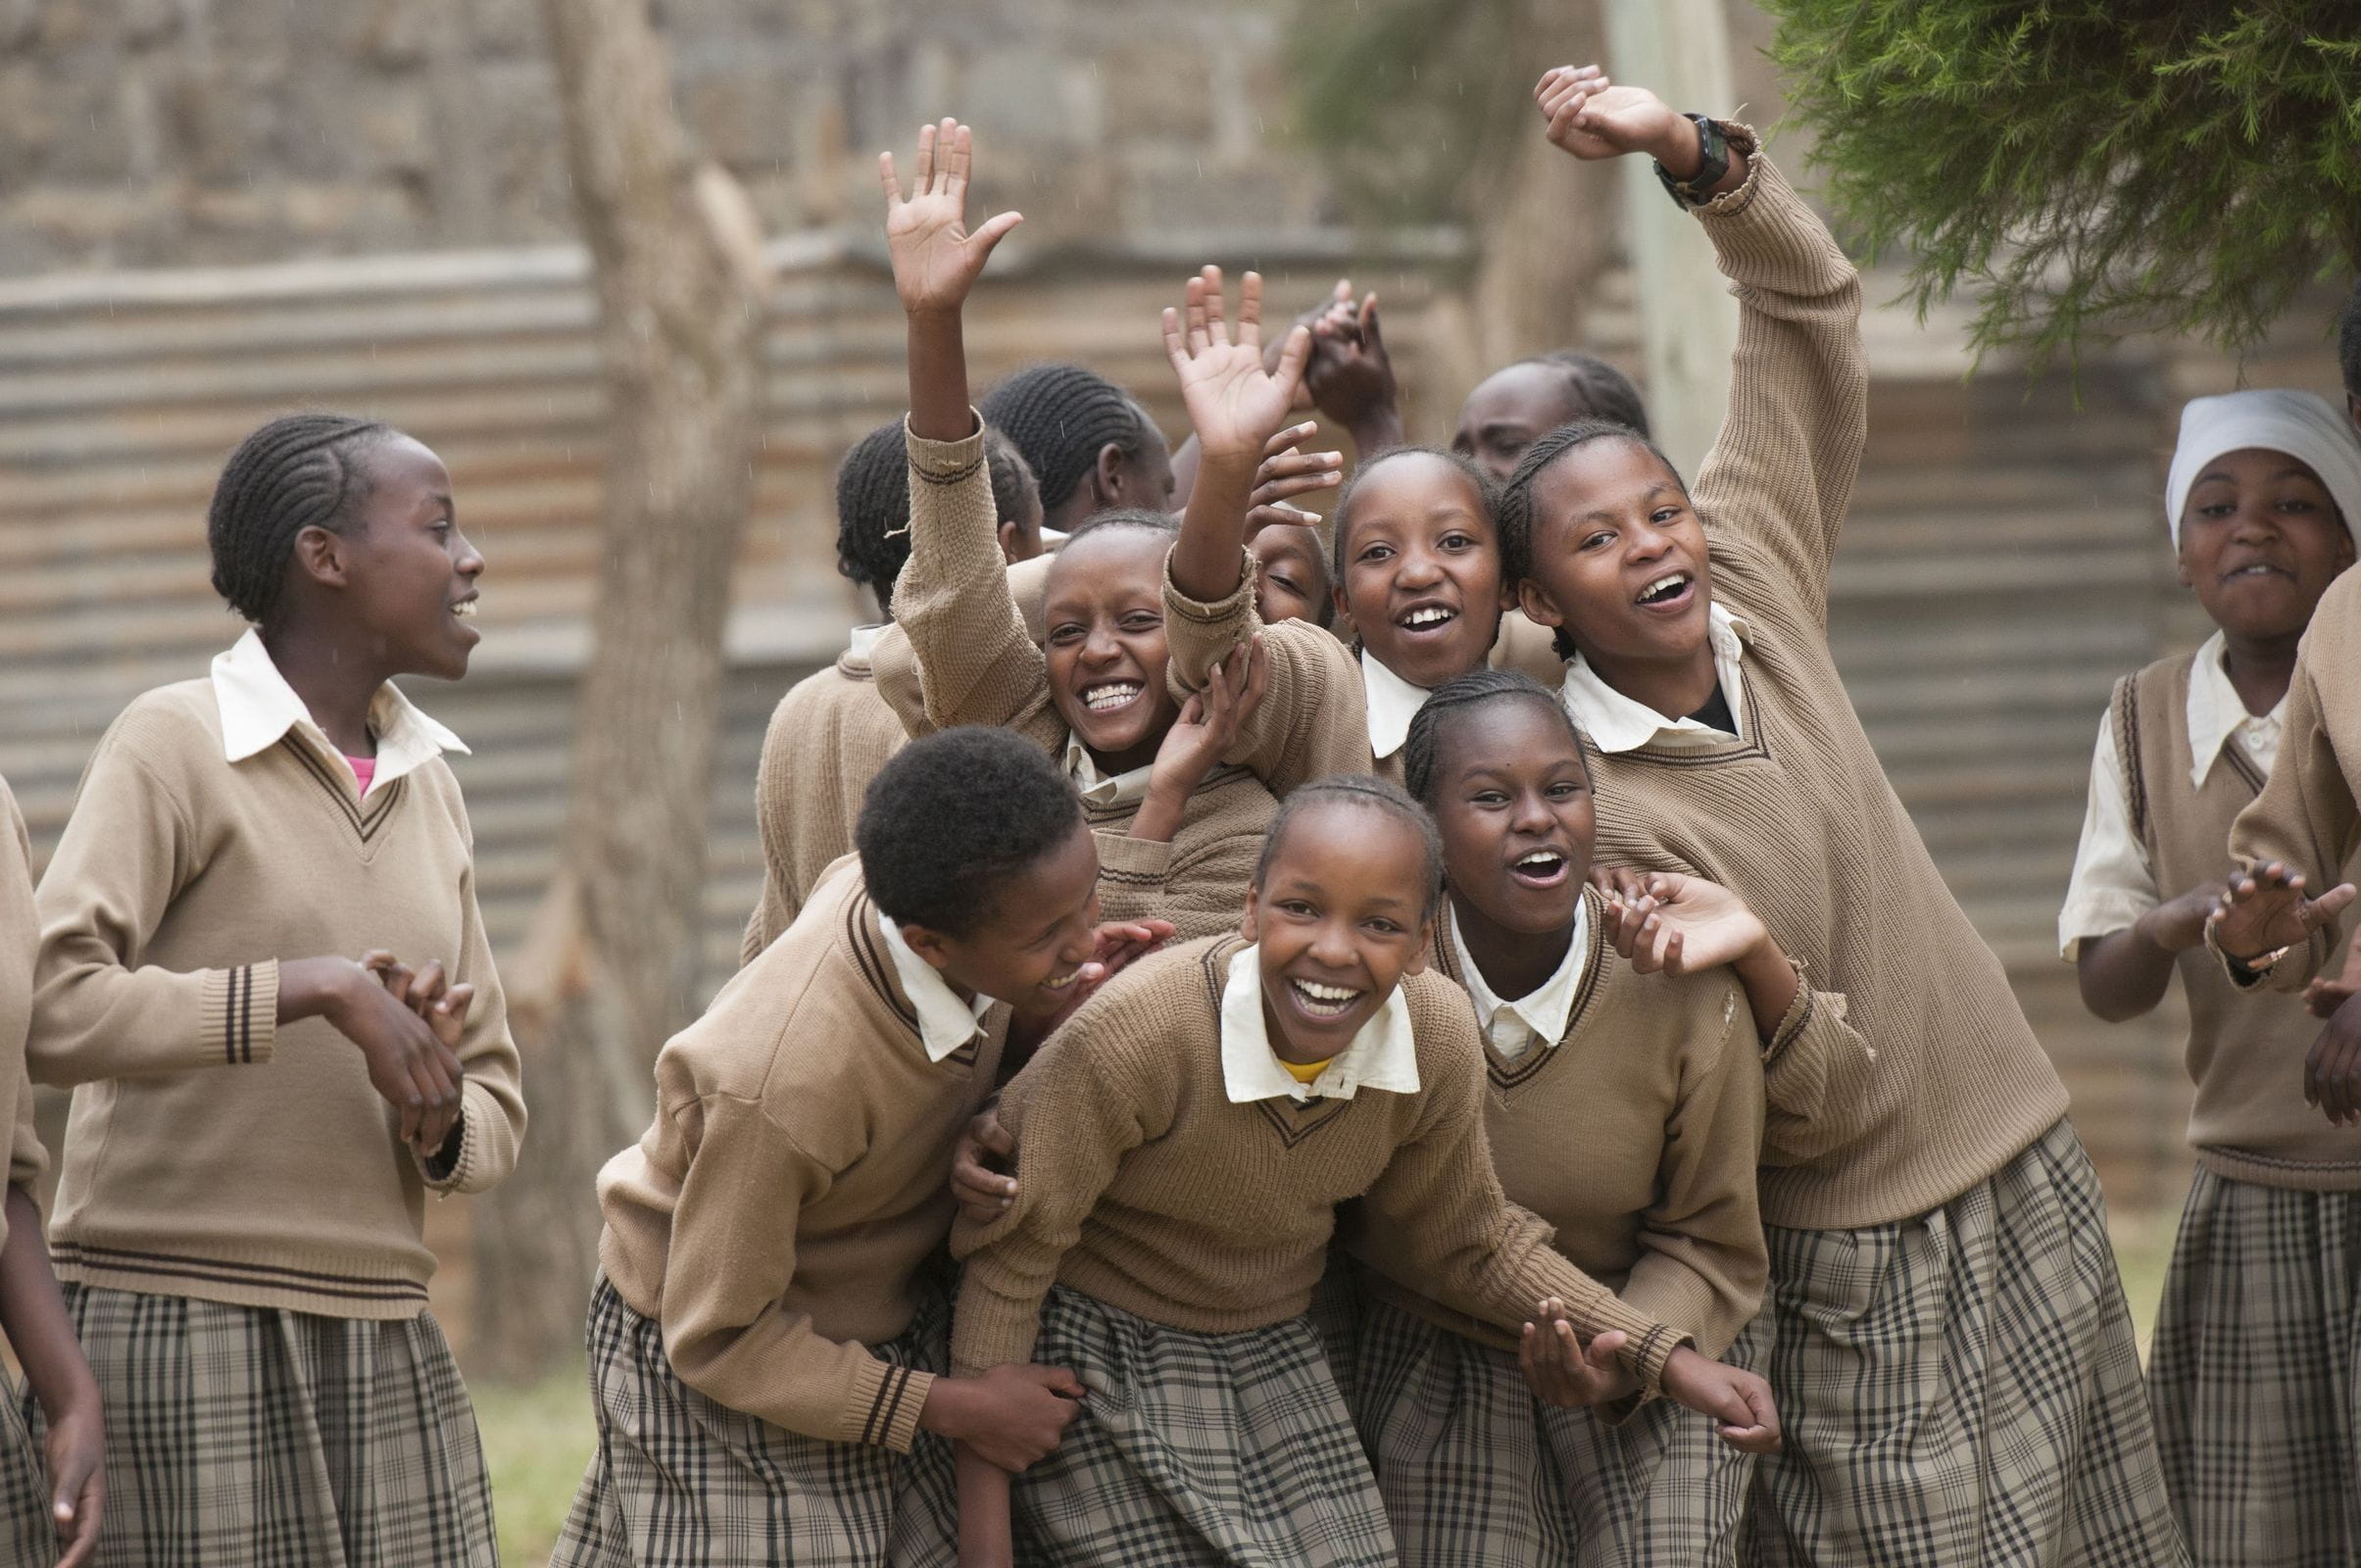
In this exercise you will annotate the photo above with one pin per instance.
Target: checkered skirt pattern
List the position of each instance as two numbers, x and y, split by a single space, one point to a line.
1477 1473
274 1438
26 1534
2255 1375
1960 1388
1197 1450
682 1481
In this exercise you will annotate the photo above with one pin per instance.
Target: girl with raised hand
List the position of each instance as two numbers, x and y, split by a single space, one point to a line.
1945 1319
1663 1072
1178 828
1183 1142
2254 1425
264 1097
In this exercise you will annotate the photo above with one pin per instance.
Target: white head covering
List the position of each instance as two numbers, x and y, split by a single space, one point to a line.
2302 424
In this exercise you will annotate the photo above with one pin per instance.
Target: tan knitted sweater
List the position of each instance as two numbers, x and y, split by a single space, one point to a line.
778 1215
958 654
1662 1076
827 739
212 1153
2307 813
20 938
2245 1050
1796 815
1142 1185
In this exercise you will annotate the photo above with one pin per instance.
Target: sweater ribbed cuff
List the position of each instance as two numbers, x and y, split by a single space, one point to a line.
1742 138
1230 608
886 1400
944 462
454 1178
990 1330
237 1016
1793 1023
1133 864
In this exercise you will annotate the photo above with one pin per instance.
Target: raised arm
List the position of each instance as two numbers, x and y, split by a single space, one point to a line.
959 652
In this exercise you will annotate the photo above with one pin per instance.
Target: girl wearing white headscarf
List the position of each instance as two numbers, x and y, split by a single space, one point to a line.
2252 1373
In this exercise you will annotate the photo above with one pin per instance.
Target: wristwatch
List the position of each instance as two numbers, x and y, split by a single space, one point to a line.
1698 189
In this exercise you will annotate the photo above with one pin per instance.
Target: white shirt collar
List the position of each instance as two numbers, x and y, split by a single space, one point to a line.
259 707
1104 790
2216 714
1539 1016
1392 704
944 1022
1384 1054
1619 723
861 641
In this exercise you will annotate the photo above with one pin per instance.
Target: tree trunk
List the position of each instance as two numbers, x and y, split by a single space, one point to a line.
612 962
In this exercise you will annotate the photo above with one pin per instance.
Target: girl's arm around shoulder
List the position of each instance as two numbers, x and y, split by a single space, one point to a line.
1779 476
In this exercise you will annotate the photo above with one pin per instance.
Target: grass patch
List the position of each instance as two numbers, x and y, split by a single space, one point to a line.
537 1440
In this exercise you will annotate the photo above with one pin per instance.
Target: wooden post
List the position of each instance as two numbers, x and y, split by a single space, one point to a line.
1680 50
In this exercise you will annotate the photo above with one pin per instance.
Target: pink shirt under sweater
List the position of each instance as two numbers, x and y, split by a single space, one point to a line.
363 769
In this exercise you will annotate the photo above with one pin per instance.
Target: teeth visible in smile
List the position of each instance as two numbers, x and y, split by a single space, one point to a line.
1115 694
2258 569
1324 1001
1663 586
1542 859
1431 615
464 608
1063 981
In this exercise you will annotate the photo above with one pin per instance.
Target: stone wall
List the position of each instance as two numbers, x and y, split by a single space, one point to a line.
176 132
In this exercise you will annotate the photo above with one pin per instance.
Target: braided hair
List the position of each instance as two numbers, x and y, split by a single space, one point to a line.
1421 765
1340 516
301 470
1515 515
872 503
1061 415
1595 388
1366 792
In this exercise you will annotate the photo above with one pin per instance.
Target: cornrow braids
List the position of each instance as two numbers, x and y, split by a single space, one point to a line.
1013 481
1420 757
301 470
1366 792
1340 516
1514 517
1595 388
1061 415
872 512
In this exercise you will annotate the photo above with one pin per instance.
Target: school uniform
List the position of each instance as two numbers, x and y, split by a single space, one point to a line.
1176 1193
959 653
1663 1076
27 1534
239 1222
770 1311
2252 1369
1946 1330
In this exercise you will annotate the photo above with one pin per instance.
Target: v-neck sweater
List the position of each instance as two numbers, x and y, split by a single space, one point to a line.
1141 1183
1796 816
212 1153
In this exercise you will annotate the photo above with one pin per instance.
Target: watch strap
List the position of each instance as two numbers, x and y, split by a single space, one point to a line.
1698 189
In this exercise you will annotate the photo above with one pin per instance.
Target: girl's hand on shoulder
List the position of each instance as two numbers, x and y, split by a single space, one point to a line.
1592 118
1209 722
1235 405
936 260
2264 911
76 1448
1564 1372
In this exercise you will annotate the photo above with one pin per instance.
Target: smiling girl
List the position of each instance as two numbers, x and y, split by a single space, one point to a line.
1178 829
265 1097
1183 1144
1946 1318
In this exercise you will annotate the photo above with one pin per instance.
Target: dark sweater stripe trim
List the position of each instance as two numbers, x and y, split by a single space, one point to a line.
164 1265
897 1384
2244 765
1130 879
868 1424
367 822
2126 751
875 969
242 999
959 476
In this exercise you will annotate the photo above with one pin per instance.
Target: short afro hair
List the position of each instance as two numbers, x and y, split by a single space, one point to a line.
872 503
2348 341
1362 792
1339 517
301 470
1059 415
1421 765
953 817
1595 389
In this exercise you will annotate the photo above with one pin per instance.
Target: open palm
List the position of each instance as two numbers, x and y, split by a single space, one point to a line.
936 260
1235 405
1681 925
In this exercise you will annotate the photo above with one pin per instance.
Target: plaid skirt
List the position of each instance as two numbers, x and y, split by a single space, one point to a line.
1960 1388
1477 1473
260 1436
1197 1450
683 1480
2255 1375
26 1535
